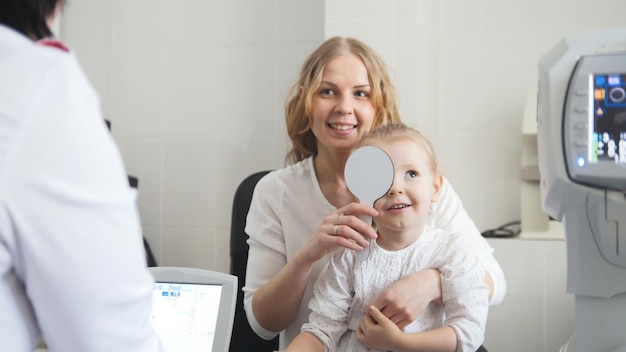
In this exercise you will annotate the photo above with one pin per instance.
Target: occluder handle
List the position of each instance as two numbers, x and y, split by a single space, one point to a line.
363 254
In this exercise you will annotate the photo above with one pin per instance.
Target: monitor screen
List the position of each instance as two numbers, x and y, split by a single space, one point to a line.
193 309
607 115
594 122
185 315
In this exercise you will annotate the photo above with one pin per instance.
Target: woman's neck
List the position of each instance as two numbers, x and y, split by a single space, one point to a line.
329 171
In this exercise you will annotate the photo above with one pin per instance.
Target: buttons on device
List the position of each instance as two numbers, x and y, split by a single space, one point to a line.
581 126
581 109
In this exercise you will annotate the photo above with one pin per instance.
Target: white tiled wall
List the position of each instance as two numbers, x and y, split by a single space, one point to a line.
463 69
195 92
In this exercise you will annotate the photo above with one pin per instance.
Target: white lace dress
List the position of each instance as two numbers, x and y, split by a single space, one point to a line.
346 286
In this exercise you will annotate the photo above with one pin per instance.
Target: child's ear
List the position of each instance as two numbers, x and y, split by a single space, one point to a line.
437 184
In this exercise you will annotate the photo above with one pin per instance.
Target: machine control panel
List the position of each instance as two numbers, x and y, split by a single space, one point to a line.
594 122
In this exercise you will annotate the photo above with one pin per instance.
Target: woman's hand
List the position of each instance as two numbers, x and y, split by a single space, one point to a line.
376 331
341 228
406 299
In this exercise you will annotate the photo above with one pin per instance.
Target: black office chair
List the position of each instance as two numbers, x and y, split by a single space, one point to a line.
243 338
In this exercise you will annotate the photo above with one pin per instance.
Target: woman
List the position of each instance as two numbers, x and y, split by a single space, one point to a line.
303 212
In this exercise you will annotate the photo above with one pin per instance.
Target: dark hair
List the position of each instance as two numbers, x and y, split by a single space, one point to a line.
28 16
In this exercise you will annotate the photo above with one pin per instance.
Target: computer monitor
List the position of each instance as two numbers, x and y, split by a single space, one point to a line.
193 309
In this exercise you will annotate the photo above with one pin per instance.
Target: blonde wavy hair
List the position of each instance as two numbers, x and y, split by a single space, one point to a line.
298 104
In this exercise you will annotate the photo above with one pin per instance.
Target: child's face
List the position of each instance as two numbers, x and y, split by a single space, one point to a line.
406 206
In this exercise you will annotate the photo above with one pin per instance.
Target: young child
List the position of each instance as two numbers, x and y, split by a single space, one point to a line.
341 317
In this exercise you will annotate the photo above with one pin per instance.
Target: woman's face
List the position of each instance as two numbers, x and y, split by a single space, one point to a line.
342 110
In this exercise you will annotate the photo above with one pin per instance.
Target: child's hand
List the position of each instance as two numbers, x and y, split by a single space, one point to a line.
377 331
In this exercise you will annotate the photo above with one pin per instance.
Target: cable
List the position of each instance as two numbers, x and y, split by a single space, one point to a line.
504 231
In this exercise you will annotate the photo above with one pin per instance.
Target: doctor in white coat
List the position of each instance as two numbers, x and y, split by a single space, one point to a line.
72 263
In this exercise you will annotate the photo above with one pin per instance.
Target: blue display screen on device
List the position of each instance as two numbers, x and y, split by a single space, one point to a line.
594 122
608 115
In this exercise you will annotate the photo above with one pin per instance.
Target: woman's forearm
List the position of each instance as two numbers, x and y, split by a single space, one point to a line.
276 303
305 342
494 278
489 282
407 298
436 287
437 340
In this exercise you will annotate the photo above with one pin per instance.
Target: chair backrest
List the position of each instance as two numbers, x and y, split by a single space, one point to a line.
243 338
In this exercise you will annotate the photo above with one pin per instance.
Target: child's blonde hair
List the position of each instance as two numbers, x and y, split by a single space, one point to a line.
395 131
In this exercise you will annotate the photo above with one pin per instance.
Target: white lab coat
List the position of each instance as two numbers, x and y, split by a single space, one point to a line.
72 264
